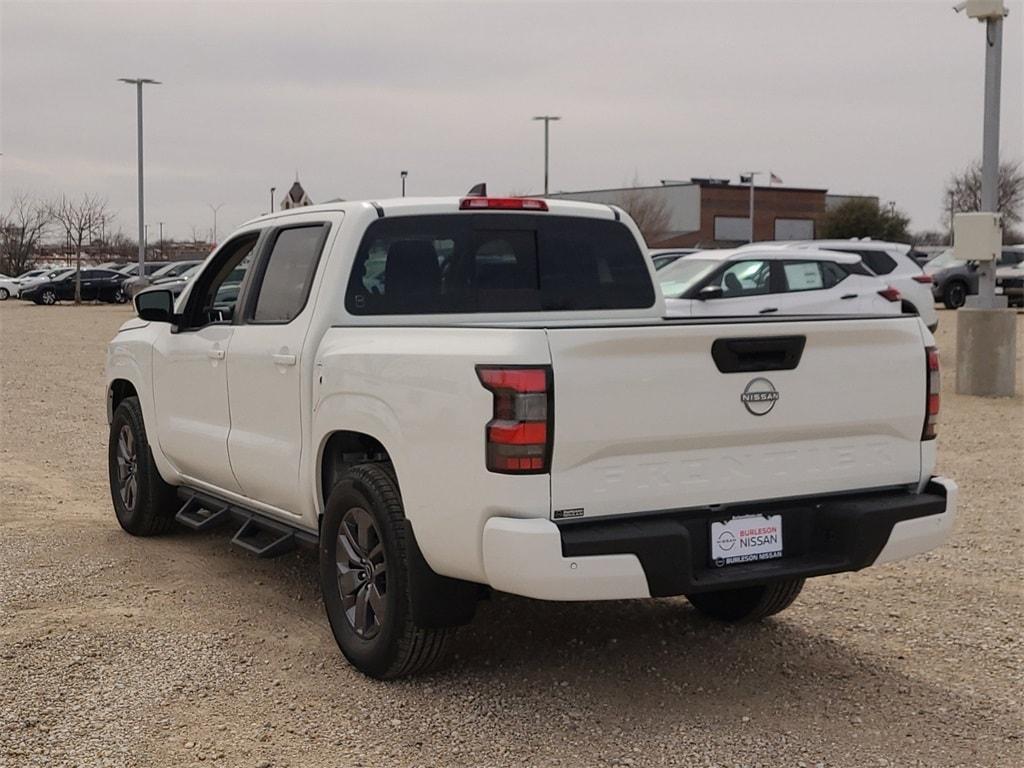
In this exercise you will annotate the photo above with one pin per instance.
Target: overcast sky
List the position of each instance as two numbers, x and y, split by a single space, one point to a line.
880 98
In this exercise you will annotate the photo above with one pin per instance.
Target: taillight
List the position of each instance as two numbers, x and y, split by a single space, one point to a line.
923 278
518 437
890 294
931 418
502 203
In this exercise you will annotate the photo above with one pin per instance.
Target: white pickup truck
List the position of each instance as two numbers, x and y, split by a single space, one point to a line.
450 395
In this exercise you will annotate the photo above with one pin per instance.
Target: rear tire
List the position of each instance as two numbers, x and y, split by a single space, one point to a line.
4 294
144 504
48 297
364 579
954 295
748 603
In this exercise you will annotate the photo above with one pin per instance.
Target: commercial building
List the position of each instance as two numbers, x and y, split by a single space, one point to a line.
715 213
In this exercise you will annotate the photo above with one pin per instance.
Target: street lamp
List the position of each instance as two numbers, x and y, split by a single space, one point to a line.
215 208
404 174
272 190
161 240
138 82
547 122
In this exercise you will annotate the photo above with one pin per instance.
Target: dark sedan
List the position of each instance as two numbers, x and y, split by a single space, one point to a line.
97 285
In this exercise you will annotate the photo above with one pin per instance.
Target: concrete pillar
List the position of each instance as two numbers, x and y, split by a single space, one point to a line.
986 352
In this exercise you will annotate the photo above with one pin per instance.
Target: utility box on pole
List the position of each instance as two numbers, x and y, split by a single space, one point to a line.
977 236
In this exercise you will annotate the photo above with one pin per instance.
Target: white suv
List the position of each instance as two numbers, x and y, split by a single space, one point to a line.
892 263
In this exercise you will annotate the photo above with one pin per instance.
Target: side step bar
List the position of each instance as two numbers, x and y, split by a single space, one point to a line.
197 517
257 533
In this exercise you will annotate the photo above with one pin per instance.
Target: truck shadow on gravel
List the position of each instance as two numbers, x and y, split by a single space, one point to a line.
654 668
659 657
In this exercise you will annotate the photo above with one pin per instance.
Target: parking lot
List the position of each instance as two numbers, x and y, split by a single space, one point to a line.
184 650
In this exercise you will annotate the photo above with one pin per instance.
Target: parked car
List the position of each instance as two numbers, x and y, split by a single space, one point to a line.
1010 283
9 288
39 276
97 285
29 275
444 396
176 285
662 257
774 280
131 270
169 270
953 279
892 263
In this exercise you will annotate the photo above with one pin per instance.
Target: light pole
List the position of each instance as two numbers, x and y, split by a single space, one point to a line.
138 82
161 241
749 178
215 208
985 364
272 190
404 174
547 122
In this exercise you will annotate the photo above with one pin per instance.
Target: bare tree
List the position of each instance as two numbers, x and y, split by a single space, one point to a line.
21 230
963 191
648 210
81 220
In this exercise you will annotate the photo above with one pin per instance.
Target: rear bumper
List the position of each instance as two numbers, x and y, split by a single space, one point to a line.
665 554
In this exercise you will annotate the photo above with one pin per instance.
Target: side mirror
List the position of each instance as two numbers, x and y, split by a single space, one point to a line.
710 292
156 306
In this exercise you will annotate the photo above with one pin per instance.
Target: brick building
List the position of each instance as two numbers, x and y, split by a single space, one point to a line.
715 213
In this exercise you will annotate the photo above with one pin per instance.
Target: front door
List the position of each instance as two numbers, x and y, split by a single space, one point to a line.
190 384
746 290
269 370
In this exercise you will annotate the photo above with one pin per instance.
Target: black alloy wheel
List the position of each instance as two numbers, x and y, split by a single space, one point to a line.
362 572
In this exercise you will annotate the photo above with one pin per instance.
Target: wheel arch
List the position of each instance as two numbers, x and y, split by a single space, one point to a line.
341 449
117 391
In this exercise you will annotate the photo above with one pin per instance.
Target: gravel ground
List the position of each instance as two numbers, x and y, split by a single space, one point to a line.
184 650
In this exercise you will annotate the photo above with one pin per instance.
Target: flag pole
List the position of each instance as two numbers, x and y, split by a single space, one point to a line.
750 175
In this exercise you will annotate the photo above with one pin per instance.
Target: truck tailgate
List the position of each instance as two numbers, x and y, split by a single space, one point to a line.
644 419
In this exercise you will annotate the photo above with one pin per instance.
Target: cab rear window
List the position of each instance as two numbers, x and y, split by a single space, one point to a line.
489 262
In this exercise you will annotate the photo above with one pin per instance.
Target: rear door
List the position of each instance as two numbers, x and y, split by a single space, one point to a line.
646 419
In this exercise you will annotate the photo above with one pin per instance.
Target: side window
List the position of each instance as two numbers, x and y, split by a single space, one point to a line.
745 278
832 273
288 274
215 293
803 276
878 262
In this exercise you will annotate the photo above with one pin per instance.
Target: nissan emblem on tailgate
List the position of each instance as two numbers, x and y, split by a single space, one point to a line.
759 396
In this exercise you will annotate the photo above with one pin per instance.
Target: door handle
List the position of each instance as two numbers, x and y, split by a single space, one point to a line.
283 359
849 296
215 354
767 310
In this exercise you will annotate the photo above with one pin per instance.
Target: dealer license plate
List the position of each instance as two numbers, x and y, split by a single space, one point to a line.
746 539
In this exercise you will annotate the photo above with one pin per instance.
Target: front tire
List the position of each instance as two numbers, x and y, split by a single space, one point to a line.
748 603
48 297
143 502
4 294
364 579
954 295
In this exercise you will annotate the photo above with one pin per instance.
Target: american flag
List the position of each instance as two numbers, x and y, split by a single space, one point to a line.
774 179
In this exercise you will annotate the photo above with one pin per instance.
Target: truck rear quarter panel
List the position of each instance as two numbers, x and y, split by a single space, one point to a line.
416 391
